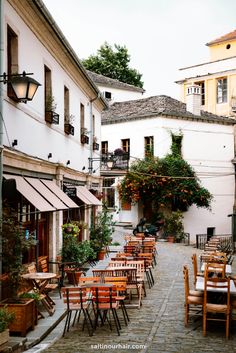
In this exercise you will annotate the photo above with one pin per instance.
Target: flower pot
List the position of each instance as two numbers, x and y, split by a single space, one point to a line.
25 314
101 255
4 337
171 239
73 276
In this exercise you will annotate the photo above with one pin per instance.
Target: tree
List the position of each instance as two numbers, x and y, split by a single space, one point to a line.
113 63
168 182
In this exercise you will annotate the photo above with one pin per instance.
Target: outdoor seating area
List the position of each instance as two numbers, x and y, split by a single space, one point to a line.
214 291
107 295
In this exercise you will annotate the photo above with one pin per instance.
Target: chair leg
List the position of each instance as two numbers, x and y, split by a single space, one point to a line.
186 315
65 326
204 325
116 319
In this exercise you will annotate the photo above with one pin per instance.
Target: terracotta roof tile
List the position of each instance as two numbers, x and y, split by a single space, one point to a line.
156 106
225 38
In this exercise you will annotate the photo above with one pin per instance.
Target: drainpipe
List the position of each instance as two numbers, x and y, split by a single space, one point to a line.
1 133
91 133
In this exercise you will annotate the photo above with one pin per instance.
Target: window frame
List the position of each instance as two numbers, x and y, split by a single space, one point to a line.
221 90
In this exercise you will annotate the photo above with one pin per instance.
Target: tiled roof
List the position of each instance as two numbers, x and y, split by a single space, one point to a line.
225 38
156 106
110 82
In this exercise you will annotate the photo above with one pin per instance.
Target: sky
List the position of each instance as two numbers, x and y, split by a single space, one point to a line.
161 36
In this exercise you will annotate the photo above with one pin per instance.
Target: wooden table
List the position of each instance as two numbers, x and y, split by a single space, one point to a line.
40 281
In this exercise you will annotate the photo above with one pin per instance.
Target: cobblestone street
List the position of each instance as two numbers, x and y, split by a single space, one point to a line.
159 325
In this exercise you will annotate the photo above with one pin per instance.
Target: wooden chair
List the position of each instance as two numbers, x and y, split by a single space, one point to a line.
50 286
77 300
105 302
213 311
214 270
195 269
193 299
139 265
121 287
43 267
86 280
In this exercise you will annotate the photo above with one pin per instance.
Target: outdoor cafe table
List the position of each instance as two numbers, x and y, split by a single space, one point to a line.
228 268
39 281
200 286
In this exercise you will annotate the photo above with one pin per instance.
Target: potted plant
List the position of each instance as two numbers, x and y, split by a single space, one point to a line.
6 317
68 126
84 135
73 252
173 226
14 244
101 232
50 106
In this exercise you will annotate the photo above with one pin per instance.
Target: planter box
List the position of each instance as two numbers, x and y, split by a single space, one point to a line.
51 117
84 139
95 146
101 255
69 129
4 337
25 314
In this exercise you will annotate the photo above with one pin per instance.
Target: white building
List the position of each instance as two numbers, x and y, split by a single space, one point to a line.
114 90
208 146
54 134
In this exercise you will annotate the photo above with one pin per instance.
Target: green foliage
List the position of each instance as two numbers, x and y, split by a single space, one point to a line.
173 224
113 63
168 182
75 251
102 230
31 295
14 244
6 318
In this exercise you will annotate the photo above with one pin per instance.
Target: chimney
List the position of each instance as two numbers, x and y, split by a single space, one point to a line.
193 99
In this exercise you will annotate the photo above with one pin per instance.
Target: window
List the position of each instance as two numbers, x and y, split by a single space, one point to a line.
148 146
12 58
202 85
81 117
109 192
126 145
222 90
66 105
48 89
104 147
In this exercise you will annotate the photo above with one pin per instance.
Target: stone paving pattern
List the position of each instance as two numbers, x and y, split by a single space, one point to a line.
159 324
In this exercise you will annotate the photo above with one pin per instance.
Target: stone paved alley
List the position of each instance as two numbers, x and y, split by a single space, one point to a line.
159 325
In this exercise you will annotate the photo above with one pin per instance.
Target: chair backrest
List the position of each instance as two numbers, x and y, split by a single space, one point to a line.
74 297
104 295
88 280
211 285
186 282
102 274
123 254
132 249
31 268
195 267
120 263
138 264
119 282
214 270
218 257
43 264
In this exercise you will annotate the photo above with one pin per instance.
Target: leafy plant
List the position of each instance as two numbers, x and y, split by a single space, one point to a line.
73 250
168 182
173 225
113 63
6 318
14 244
102 230
50 104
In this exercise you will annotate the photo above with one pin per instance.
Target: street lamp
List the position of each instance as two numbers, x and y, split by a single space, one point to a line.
24 87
